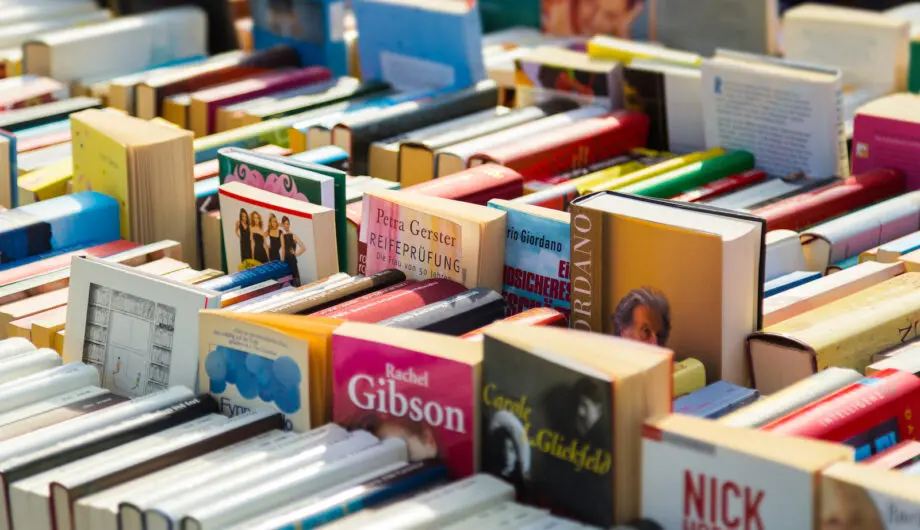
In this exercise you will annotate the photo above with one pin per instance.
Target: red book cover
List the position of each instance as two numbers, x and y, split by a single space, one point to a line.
476 185
63 261
722 186
30 144
897 457
204 105
408 391
535 316
870 415
393 300
812 207
574 146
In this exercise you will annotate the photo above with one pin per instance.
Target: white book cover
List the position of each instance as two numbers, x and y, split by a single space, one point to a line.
291 486
15 346
276 468
868 498
138 330
122 45
436 508
789 116
847 236
28 364
45 384
701 26
688 481
29 498
508 514
45 405
784 254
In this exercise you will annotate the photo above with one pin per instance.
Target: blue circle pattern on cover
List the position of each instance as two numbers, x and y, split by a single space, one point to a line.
273 381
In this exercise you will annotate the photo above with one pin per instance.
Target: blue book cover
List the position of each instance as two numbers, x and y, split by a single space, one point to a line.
273 270
715 400
788 281
900 246
47 228
329 155
315 28
433 45
11 171
343 502
537 254
41 130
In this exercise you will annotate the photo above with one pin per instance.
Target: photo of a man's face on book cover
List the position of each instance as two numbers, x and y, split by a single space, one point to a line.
592 17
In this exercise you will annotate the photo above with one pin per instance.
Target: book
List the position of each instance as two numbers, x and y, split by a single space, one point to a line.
671 95
689 376
316 30
430 383
300 226
204 103
669 183
652 300
146 167
29 363
879 498
723 186
393 300
46 384
71 405
584 142
514 17
544 392
344 89
454 315
128 325
42 230
117 46
429 237
626 50
869 430
849 235
306 301
732 78
749 27
273 270
877 120
447 55
477 185
784 254
788 281
220 35
45 183
356 186
545 71
625 21
417 157
698 472
537 268
771 190
901 456
356 134
18 120
538 316
715 400
37 91
812 207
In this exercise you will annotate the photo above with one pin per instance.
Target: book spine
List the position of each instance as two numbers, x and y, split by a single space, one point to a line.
586 269
275 270
558 197
722 186
60 414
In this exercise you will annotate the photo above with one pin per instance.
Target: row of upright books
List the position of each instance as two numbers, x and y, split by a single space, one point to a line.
331 271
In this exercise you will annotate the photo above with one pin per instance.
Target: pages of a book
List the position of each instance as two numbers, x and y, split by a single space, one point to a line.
45 384
294 485
436 508
789 116
172 509
28 363
784 254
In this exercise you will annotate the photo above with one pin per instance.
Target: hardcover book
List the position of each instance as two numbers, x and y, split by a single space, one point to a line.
559 421
537 253
875 123
454 315
715 400
133 327
545 71
418 386
393 300
260 226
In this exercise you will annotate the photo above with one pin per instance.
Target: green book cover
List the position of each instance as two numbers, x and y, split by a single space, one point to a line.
502 14
286 178
339 196
691 176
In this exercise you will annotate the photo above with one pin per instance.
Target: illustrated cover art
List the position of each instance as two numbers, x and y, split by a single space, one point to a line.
549 434
619 18
587 87
536 272
644 91
246 366
395 392
257 232
398 237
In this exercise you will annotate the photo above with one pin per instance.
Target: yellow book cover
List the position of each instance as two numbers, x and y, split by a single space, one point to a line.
252 359
59 342
845 333
45 183
689 376
47 324
624 51
100 163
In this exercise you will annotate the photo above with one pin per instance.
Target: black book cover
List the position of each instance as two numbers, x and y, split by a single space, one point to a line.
16 120
548 430
59 414
401 119
456 315
221 28
644 91
108 438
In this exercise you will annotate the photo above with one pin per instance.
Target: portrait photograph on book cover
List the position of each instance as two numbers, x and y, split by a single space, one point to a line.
643 315
591 17
263 235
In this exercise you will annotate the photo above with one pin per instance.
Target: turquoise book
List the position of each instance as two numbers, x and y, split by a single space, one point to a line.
503 14
315 28
305 181
537 254
423 44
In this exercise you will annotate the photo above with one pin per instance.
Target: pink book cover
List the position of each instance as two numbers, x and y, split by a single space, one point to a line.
882 142
395 392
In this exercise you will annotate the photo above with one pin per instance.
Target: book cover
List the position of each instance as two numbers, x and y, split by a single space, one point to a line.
861 496
477 185
454 315
882 131
280 228
547 70
314 28
537 254
133 327
412 385
629 19
44 229
715 400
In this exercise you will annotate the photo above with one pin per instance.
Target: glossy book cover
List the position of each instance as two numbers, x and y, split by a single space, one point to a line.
396 392
537 254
